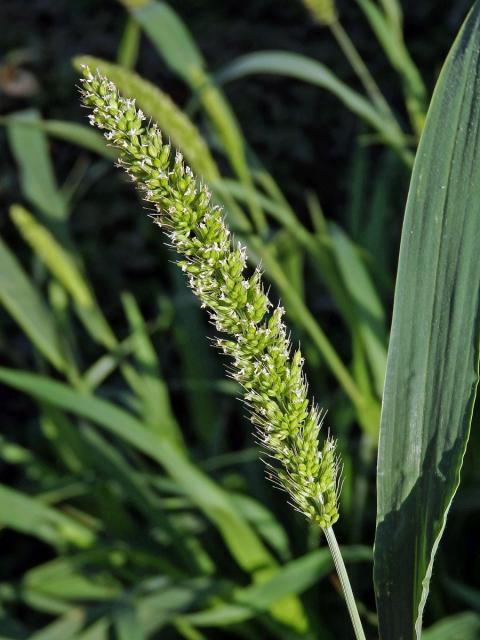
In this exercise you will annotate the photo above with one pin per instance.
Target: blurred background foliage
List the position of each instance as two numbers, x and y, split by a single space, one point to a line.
133 504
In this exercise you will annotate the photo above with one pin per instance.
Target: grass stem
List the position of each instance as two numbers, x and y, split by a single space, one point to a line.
345 582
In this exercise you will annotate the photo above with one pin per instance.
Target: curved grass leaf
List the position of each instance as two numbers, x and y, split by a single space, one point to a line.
308 70
432 369
79 134
62 264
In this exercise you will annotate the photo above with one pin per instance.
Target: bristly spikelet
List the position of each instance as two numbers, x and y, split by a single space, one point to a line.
286 424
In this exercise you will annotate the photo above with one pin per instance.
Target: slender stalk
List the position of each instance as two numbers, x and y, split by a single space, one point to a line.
360 68
345 582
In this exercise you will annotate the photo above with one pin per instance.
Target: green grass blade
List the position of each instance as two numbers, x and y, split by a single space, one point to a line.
393 12
197 362
96 631
78 134
67 626
128 49
308 70
62 264
239 537
391 39
462 626
64 580
432 369
294 578
29 147
263 520
368 307
158 412
22 300
127 624
30 516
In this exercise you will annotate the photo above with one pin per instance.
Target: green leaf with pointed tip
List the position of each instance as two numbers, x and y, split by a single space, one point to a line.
432 368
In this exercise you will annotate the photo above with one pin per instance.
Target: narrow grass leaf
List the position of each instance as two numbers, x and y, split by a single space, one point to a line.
390 37
127 625
432 369
80 135
295 65
20 297
128 49
63 579
367 305
462 626
67 626
30 149
158 412
62 264
29 515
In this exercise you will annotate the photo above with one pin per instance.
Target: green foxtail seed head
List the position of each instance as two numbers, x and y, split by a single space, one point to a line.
323 11
287 425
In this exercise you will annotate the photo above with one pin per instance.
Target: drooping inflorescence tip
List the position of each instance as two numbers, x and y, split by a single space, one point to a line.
255 338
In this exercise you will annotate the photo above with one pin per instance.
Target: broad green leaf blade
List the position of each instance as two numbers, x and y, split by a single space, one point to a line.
432 368
309 70
23 301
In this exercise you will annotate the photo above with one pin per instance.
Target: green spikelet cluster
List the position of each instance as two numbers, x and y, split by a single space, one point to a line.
323 11
261 359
